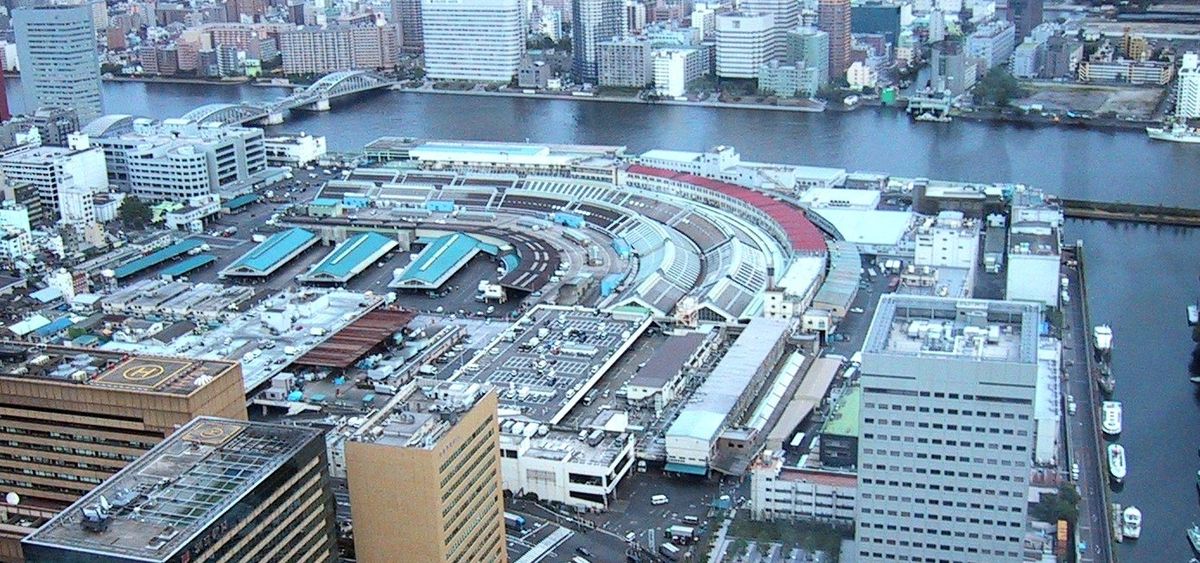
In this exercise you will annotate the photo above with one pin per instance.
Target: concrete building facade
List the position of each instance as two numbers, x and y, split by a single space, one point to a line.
833 17
947 429
473 40
56 47
626 62
1187 94
676 67
593 22
743 43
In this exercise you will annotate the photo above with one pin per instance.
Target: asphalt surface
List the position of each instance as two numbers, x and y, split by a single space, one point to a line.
1094 527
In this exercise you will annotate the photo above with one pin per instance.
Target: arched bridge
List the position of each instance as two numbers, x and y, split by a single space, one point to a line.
314 97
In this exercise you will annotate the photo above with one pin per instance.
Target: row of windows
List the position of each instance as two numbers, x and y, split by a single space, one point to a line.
970 490
927 471
941 395
942 517
941 410
83 438
910 439
942 547
940 426
940 457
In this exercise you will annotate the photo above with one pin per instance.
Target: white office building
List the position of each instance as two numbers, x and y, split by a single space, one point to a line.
785 16
56 47
294 150
48 169
178 160
946 441
1034 256
787 493
992 42
559 466
744 43
1187 99
676 67
948 240
473 40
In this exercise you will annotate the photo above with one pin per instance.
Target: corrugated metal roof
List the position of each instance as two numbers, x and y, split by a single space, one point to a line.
134 266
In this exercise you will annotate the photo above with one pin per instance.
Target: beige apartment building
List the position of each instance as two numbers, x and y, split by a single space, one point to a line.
424 477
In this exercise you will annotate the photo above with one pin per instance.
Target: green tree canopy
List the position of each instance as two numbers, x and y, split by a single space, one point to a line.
134 213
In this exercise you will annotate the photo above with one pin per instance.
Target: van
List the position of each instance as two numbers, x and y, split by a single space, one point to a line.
641 466
657 500
691 520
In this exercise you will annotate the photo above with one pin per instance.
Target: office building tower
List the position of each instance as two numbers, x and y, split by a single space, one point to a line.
950 69
473 40
56 45
51 168
407 13
5 114
833 17
593 22
1187 98
809 46
876 16
743 43
992 42
424 477
675 68
785 15
77 416
947 430
635 16
179 160
216 490
1025 15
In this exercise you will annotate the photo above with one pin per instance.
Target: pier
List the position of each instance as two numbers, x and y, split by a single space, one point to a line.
1131 213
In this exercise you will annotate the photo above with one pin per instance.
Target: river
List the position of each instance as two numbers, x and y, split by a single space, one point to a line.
1140 278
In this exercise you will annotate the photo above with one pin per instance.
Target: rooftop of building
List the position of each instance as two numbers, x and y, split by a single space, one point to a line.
272 253
559 445
108 370
421 413
967 329
843 419
665 363
1034 239
161 502
551 357
351 257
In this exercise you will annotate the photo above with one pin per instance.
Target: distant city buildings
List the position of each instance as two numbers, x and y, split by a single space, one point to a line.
626 62
407 13
992 42
593 22
785 16
834 19
788 80
743 43
330 49
809 46
947 429
1187 96
59 64
473 40
1125 71
951 70
50 169
1025 15
675 68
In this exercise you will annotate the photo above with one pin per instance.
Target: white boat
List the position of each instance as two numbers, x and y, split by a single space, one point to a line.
1176 133
1110 422
1116 462
1131 522
1102 339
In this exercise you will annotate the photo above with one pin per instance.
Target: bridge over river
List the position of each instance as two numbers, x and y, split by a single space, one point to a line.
316 97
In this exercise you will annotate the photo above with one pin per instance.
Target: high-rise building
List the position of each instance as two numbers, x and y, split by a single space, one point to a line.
424 477
785 15
876 16
593 22
1025 15
947 430
5 114
473 40
407 13
56 45
1187 98
833 17
76 416
216 490
810 46
743 43
950 69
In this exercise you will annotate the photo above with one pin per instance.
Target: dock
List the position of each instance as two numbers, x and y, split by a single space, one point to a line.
1131 213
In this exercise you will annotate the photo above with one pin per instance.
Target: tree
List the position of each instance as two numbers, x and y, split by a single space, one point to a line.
997 88
134 213
1063 505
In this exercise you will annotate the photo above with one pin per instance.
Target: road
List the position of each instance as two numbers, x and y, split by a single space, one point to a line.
1094 527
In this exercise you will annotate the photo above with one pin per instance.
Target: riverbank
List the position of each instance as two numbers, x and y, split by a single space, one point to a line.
612 99
239 81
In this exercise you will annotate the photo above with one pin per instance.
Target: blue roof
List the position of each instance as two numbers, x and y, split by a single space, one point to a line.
57 325
441 258
241 201
188 264
134 266
352 256
274 252
326 201
511 261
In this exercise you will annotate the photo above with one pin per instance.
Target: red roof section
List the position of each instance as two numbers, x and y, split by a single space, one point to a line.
346 346
804 236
